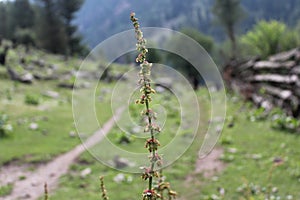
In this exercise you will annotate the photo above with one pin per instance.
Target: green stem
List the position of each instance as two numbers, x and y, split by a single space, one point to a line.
152 137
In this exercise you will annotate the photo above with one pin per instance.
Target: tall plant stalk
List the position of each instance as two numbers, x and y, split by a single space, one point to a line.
152 144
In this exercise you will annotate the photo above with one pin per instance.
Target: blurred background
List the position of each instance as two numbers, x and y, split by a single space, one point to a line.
255 45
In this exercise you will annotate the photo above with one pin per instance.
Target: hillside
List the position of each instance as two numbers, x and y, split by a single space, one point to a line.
252 155
98 19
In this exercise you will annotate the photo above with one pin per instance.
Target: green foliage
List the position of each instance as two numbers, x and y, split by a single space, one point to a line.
283 122
290 40
3 19
228 13
51 31
67 11
5 127
123 138
6 190
267 38
205 41
258 192
261 163
25 36
23 15
258 114
32 99
46 23
154 55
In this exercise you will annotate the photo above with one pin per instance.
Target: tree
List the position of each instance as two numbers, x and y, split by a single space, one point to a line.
68 8
25 36
51 32
205 41
267 38
177 42
22 14
228 14
3 20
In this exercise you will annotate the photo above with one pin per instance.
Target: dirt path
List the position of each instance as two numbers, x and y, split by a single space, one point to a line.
208 166
32 188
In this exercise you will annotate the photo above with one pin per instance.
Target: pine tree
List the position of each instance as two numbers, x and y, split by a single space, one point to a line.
3 20
22 14
68 8
228 14
51 30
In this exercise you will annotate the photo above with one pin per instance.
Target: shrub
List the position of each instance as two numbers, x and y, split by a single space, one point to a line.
265 37
6 190
31 99
5 127
25 36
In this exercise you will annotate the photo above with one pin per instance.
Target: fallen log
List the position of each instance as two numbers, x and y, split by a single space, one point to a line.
268 83
275 78
281 57
296 70
270 65
275 91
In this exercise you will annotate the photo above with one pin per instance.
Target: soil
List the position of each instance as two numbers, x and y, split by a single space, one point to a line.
208 166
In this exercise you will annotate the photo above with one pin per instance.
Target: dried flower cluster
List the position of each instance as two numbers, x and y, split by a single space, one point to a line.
103 190
152 144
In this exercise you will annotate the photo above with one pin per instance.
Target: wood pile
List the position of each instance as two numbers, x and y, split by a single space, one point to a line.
268 83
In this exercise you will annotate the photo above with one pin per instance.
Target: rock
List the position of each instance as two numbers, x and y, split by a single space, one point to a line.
34 183
39 63
122 162
85 172
33 126
221 191
51 94
104 91
136 130
119 178
72 134
165 83
53 67
85 85
27 78
160 89
66 85
256 156
101 98
26 196
232 150
29 67
129 179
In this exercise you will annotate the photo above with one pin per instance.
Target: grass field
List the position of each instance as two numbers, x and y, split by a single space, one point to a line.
261 163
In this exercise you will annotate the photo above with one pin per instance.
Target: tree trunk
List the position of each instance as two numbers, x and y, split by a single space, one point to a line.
231 36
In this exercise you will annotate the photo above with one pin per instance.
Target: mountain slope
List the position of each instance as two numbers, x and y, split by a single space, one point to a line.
99 19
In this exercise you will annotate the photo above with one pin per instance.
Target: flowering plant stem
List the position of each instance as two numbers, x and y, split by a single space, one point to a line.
152 144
